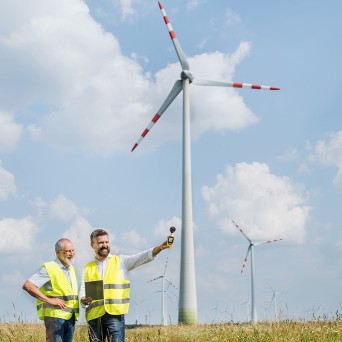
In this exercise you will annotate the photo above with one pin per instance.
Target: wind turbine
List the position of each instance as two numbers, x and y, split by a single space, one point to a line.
274 300
163 278
137 310
248 304
216 309
251 250
228 313
187 292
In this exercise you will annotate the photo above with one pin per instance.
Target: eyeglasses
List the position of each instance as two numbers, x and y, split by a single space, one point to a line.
65 251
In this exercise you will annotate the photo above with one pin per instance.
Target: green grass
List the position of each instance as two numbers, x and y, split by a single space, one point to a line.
286 331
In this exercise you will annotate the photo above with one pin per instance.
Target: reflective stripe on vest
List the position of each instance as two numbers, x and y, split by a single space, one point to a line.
116 286
46 305
62 289
116 290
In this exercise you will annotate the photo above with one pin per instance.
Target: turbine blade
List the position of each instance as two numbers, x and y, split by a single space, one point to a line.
170 283
268 241
249 240
177 88
272 298
155 279
246 257
180 53
200 82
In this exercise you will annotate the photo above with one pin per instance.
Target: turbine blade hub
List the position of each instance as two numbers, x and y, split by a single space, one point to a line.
186 75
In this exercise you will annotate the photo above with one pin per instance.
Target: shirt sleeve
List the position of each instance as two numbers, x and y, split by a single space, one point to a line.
129 262
40 278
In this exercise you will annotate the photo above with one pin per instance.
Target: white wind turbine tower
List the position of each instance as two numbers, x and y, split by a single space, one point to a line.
251 250
187 292
163 278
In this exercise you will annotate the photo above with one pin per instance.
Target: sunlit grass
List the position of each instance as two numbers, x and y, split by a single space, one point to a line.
288 331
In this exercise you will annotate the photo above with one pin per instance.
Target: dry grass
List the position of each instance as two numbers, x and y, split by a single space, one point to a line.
263 332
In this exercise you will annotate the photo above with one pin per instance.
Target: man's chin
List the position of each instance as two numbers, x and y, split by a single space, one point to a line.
69 261
104 252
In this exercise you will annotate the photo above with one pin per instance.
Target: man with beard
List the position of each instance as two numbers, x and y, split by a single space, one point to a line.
106 315
55 287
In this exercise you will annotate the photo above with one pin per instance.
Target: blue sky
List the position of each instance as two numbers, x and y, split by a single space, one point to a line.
79 82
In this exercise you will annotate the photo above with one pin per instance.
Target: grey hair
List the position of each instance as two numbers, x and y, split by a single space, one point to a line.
96 233
59 246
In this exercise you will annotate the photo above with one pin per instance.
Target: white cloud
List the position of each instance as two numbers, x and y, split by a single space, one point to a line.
127 8
267 206
87 95
329 153
10 132
163 227
289 155
192 4
230 111
7 184
231 17
60 207
63 208
17 235
79 233
132 242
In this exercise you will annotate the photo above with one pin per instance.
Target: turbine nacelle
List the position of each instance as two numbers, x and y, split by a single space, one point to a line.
187 75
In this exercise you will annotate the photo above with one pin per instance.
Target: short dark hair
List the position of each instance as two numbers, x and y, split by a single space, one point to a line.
97 232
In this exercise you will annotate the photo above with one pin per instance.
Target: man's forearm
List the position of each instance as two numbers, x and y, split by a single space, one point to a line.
34 291
156 250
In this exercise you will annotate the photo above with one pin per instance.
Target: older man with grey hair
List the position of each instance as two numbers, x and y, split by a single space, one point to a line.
54 286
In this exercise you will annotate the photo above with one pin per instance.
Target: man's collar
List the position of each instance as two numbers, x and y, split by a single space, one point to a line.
59 263
107 257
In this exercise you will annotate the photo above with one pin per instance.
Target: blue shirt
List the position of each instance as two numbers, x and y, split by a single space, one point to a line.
41 277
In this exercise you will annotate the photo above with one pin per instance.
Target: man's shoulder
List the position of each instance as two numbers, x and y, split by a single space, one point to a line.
50 263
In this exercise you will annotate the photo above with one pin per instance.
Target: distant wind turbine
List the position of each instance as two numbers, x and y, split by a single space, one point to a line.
163 291
274 301
187 292
137 309
228 313
216 309
251 250
248 304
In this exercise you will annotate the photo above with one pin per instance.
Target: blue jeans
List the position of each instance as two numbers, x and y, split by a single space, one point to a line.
58 329
108 327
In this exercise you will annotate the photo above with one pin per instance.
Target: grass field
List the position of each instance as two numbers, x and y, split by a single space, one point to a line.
319 331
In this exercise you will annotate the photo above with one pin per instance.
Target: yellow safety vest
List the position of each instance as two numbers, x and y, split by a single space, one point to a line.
61 288
116 290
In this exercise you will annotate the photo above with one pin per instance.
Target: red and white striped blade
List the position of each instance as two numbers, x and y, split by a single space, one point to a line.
242 232
200 82
177 88
267 241
246 257
180 53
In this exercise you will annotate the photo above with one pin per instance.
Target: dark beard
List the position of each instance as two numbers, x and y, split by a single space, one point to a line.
104 251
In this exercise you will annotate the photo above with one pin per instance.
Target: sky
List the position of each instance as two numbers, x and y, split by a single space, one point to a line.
79 82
